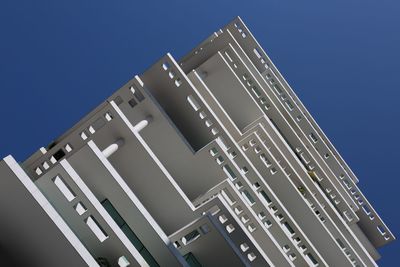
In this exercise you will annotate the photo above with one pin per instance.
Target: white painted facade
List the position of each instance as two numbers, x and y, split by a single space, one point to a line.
209 161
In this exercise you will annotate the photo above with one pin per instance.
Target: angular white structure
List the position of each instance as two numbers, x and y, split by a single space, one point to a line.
209 161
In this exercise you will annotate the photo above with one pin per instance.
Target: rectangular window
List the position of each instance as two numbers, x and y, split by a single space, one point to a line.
190 237
64 188
213 151
278 89
340 243
108 116
313 137
132 102
96 229
229 172
195 105
248 197
265 196
289 105
256 91
265 160
366 209
289 228
312 259
257 53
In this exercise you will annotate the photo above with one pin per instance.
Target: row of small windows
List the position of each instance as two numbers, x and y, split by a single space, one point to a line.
171 73
137 97
80 208
251 201
67 148
290 106
230 228
364 206
285 224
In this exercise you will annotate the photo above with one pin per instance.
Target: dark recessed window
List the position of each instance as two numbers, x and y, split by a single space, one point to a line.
59 154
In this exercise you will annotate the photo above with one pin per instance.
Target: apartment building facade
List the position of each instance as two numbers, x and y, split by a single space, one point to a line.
211 160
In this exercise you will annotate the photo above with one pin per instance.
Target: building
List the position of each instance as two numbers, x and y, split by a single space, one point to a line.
209 161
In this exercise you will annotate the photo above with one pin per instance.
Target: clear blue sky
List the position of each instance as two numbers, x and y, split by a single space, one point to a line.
60 59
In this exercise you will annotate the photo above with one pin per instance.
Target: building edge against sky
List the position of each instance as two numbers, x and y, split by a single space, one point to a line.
209 161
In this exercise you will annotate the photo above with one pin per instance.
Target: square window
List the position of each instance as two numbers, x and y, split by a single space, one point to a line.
80 208
68 147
